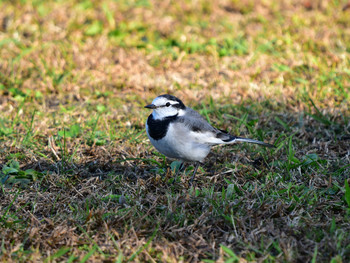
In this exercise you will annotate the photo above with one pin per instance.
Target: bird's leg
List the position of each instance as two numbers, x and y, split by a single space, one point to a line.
194 172
178 171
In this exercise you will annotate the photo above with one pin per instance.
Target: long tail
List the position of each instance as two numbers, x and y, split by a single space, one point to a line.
241 139
224 137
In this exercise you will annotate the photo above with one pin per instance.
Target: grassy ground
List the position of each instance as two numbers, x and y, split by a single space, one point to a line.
79 179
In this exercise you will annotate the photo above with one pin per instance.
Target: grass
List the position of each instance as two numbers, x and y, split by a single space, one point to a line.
79 180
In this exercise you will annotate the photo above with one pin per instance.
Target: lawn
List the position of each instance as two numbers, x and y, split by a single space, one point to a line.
79 179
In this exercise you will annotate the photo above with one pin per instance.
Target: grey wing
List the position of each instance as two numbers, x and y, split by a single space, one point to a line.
205 133
196 123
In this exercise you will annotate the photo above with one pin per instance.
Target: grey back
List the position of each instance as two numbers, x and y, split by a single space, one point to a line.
195 122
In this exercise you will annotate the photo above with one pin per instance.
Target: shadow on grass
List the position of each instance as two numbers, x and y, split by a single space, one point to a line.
271 203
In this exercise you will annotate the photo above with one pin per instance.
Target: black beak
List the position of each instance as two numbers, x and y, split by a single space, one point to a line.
151 106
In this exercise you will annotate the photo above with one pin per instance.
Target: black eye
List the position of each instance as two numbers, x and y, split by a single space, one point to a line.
167 104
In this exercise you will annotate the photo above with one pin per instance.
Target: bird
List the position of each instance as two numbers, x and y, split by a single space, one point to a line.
181 133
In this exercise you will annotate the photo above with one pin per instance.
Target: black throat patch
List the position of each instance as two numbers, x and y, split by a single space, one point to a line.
157 129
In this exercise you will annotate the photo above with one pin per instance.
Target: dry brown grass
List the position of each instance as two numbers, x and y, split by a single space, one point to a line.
104 194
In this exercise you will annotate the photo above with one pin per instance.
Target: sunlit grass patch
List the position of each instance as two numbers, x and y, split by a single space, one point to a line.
79 181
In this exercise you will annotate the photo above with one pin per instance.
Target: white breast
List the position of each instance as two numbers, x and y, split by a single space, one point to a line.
180 143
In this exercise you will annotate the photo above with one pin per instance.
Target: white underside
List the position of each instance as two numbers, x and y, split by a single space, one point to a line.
183 144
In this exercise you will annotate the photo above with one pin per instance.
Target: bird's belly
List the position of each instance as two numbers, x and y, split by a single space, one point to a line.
176 146
189 152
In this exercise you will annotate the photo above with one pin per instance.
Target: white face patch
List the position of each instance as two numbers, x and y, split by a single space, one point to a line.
164 111
161 101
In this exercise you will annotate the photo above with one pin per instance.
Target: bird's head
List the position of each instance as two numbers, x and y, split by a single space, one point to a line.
166 106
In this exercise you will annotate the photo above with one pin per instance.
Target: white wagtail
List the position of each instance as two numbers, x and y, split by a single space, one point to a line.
181 133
